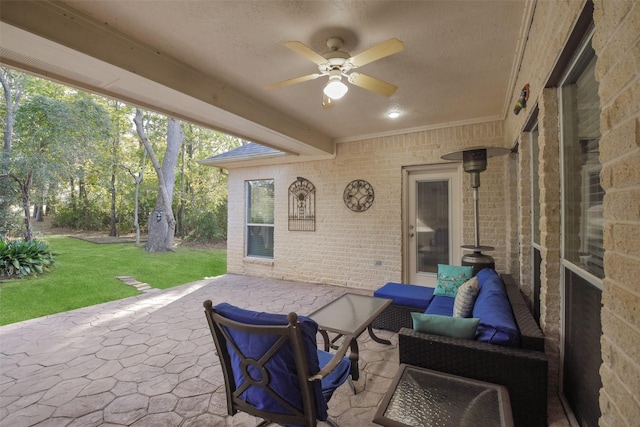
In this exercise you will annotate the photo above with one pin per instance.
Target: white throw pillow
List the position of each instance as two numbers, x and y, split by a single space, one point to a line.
466 298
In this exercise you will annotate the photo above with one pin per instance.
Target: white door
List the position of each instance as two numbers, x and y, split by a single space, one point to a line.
432 221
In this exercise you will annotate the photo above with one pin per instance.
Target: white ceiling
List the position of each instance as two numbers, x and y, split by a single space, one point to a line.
208 61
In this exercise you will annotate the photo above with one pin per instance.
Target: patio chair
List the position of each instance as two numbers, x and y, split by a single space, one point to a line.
272 367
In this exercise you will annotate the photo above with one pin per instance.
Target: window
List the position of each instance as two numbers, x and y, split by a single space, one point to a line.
583 195
582 246
535 185
259 232
535 223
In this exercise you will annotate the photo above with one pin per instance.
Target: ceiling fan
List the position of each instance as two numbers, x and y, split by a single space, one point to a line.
337 64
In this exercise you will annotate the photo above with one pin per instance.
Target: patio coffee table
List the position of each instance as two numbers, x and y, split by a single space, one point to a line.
422 397
350 314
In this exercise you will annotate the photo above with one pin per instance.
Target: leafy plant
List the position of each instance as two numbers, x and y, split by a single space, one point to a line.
24 258
208 227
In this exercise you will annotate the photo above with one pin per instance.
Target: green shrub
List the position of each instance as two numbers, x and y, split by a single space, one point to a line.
92 219
208 227
21 258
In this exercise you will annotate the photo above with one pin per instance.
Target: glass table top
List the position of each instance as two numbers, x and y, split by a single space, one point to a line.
421 397
350 314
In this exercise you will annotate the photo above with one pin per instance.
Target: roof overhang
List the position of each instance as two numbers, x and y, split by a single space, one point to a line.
59 43
260 160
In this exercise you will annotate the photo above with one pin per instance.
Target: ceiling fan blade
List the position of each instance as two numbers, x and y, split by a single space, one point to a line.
327 102
293 81
307 52
376 52
372 84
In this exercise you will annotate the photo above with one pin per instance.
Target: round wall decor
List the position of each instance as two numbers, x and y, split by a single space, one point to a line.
358 195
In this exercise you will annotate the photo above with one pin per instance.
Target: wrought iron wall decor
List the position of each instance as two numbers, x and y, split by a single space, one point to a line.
358 195
302 205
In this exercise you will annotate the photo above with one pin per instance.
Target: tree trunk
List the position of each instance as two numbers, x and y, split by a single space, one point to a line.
38 214
182 204
25 188
136 223
113 231
162 222
12 97
139 178
72 193
84 201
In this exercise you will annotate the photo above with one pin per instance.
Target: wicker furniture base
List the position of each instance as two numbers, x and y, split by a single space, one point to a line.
522 370
395 317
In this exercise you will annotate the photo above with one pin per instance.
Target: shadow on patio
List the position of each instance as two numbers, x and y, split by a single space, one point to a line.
149 360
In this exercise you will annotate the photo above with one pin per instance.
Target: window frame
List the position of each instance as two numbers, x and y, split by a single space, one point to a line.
576 282
268 223
576 67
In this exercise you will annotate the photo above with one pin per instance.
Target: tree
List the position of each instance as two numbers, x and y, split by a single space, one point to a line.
162 221
78 158
56 138
205 189
13 85
138 177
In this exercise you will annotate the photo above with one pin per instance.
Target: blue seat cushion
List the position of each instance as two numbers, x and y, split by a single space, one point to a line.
337 377
406 295
441 305
281 367
492 307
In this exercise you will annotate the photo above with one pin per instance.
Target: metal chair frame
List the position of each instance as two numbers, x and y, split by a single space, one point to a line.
289 333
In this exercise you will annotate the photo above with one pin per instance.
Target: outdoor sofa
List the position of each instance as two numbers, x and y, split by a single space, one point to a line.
518 361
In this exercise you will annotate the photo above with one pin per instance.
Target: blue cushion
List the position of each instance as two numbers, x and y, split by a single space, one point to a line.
406 295
281 366
337 377
497 325
441 305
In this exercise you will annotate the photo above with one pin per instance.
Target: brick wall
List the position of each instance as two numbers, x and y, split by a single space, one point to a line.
512 203
617 45
552 24
549 182
346 245
525 216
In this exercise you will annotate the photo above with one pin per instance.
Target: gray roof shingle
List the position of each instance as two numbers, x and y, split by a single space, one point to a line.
250 149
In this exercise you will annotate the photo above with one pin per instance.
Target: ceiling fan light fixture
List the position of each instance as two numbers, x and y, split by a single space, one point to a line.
335 89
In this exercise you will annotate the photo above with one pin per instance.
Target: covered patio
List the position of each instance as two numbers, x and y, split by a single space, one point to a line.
562 210
149 360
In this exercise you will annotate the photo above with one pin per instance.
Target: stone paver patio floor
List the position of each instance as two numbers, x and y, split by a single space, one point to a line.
149 360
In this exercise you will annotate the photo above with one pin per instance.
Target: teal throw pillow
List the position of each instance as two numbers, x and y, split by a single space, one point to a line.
455 327
450 278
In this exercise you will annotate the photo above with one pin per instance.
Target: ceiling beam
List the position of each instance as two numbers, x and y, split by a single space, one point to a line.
145 77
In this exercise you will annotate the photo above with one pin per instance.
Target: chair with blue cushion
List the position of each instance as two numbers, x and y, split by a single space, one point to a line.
272 367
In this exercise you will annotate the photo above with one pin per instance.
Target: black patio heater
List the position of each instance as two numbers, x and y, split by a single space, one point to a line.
474 161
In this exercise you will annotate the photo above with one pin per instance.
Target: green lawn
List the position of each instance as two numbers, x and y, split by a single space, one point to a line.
85 274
